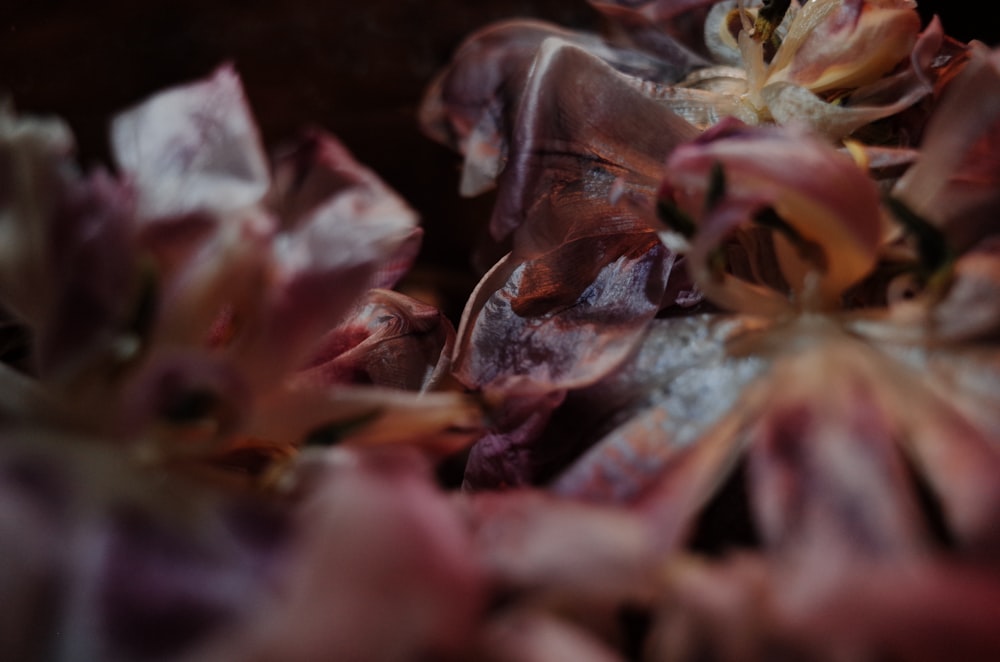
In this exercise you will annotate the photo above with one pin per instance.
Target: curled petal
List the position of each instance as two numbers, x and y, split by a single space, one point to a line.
828 226
388 340
833 44
954 183
580 167
788 103
526 321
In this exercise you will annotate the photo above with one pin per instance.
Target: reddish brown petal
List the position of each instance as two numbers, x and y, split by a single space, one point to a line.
388 340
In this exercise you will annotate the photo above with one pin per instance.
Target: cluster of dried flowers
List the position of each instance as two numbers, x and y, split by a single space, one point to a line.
731 393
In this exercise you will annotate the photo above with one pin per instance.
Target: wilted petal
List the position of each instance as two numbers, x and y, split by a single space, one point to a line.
387 340
203 397
211 269
473 104
34 162
382 568
828 225
96 263
922 612
193 148
836 44
588 149
68 262
321 191
562 550
789 103
528 321
670 29
507 454
123 564
678 386
824 466
954 183
344 232
748 609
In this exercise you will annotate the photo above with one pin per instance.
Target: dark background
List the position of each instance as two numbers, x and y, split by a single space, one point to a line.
355 68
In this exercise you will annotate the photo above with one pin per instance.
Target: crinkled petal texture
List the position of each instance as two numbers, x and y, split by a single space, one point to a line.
587 271
388 340
822 209
855 111
472 105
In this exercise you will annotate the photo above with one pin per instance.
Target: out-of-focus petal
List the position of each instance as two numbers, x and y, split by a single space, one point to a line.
538 636
289 415
823 463
107 560
562 550
472 105
954 183
344 232
193 148
382 568
35 163
321 191
68 261
201 396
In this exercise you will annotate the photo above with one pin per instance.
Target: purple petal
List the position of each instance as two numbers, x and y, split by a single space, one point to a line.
587 152
531 322
472 105
193 148
382 568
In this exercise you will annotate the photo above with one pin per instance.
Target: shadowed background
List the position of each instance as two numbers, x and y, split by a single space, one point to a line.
357 69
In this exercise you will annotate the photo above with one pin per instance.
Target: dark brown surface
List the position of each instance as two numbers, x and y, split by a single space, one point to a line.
355 68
